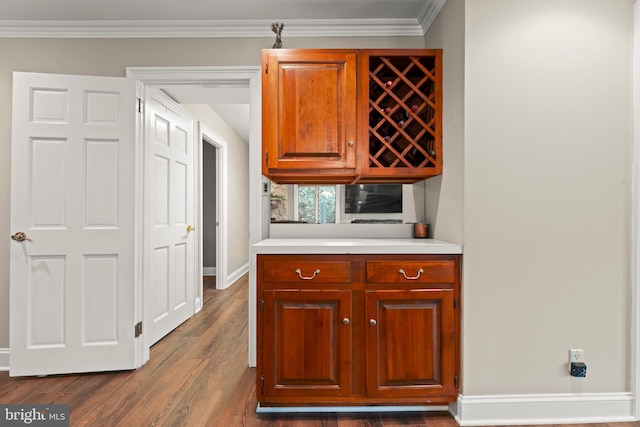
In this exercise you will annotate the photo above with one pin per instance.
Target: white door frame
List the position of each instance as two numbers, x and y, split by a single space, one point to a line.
250 76
635 219
207 136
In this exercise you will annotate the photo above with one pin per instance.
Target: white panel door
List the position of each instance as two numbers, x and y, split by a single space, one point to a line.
170 285
72 195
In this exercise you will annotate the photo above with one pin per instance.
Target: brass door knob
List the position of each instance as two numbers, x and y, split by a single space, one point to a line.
190 229
21 237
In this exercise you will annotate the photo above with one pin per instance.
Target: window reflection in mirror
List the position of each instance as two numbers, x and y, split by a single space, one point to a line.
327 204
311 204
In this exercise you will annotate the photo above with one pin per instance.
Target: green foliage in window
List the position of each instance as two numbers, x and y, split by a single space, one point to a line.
307 204
327 204
317 204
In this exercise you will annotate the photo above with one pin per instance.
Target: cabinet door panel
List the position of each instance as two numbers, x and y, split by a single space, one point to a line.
410 343
306 343
309 110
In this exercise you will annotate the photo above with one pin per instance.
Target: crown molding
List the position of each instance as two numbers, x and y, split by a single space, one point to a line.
212 29
429 14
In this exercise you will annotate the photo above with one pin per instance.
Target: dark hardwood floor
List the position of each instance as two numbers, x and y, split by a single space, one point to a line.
196 376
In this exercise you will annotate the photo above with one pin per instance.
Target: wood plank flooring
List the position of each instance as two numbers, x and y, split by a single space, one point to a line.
196 376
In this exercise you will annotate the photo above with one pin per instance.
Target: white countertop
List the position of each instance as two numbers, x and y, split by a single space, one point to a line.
354 246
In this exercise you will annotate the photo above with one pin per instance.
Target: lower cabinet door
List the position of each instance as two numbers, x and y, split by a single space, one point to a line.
306 344
410 344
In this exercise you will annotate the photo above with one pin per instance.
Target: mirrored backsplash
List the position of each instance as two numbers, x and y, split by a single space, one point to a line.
347 204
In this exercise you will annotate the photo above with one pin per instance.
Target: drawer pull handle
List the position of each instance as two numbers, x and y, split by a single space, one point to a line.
345 321
420 271
307 277
373 322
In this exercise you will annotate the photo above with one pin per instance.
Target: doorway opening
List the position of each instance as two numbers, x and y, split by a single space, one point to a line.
214 203
222 76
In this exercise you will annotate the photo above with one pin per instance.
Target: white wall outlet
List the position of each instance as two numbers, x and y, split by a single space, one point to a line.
576 355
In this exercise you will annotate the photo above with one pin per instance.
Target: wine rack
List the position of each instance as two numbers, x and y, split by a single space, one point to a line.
404 114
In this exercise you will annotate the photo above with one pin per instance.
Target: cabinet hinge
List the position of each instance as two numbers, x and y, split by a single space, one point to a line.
266 68
455 380
261 304
455 303
266 156
261 381
140 105
138 329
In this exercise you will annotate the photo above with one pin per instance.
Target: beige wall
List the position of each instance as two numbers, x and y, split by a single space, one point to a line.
110 57
445 193
548 138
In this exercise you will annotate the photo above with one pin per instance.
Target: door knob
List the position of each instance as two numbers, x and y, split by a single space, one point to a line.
190 229
21 237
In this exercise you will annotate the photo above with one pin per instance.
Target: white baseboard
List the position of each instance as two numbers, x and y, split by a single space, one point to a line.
4 359
208 271
543 409
231 278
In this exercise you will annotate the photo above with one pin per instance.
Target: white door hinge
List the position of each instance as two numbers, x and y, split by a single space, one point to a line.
138 329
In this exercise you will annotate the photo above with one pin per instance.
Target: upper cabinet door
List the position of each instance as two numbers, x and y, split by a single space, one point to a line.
309 115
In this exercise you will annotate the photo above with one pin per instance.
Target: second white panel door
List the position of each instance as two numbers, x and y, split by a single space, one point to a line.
171 273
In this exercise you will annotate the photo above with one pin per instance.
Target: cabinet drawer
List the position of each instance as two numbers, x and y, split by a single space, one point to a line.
308 271
397 271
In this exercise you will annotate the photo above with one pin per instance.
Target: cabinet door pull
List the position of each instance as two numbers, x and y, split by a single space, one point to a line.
307 277
416 277
345 321
373 322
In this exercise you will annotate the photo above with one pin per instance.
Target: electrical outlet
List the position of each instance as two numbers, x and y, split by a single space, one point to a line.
576 355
